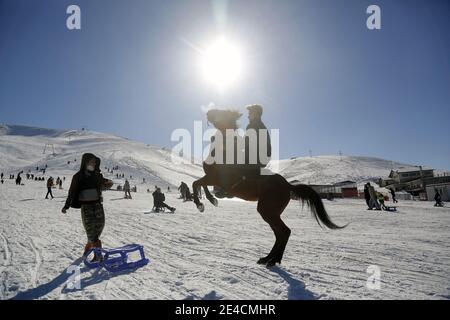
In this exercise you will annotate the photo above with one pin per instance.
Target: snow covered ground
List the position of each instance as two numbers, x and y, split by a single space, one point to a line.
210 255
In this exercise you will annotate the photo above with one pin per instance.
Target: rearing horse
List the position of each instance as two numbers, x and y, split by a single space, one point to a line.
272 192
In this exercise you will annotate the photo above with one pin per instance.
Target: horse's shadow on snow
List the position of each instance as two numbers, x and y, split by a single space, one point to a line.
65 279
296 289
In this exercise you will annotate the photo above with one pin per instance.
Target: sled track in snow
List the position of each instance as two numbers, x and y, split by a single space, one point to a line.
6 263
7 251
38 263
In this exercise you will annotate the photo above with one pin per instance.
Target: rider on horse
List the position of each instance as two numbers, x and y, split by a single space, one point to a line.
247 157
255 158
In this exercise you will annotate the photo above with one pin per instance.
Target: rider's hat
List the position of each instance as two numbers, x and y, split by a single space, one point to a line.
255 108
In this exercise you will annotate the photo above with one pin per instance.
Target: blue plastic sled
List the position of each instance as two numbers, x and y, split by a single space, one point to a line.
116 260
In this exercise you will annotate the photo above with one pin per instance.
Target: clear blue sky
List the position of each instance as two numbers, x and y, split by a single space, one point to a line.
325 80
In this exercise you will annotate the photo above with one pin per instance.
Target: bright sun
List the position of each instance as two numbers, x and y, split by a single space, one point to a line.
222 63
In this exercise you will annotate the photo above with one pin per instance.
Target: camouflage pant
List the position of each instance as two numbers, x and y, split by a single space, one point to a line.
93 218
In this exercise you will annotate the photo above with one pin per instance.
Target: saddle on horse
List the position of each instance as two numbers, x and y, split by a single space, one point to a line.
230 176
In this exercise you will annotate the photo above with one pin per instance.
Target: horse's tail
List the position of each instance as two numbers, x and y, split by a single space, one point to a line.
314 202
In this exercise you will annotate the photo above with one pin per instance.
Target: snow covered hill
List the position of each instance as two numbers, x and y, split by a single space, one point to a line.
332 169
22 148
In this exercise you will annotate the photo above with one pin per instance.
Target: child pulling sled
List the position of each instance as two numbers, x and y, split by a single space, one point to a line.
85 193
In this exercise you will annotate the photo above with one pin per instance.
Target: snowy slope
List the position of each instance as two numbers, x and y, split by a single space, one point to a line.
332 169
210 255
21 148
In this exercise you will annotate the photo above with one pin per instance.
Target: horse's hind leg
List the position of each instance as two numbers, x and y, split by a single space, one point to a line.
282 233
270 210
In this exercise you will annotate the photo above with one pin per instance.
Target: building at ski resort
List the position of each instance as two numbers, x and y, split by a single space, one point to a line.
344 189
407 174
418 181
412 182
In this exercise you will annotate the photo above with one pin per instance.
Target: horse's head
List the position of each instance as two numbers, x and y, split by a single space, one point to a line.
223 119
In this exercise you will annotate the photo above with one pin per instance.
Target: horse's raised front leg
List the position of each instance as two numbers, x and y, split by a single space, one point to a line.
204 182
195 185
210 197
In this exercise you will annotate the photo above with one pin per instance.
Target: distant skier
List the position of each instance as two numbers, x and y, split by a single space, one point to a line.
127 188
438 199
49 187
85 192
184 190
367 196
60 184
18 179
158 201
1 176
394 199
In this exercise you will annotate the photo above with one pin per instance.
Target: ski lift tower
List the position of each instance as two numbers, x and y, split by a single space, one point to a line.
49 146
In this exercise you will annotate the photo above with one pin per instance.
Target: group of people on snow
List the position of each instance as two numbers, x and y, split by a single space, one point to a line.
85 190
30 176
375 200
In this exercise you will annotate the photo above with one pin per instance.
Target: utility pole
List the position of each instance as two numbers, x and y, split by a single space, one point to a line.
421 177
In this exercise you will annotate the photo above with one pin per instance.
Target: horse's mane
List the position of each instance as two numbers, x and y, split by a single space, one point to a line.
225 117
